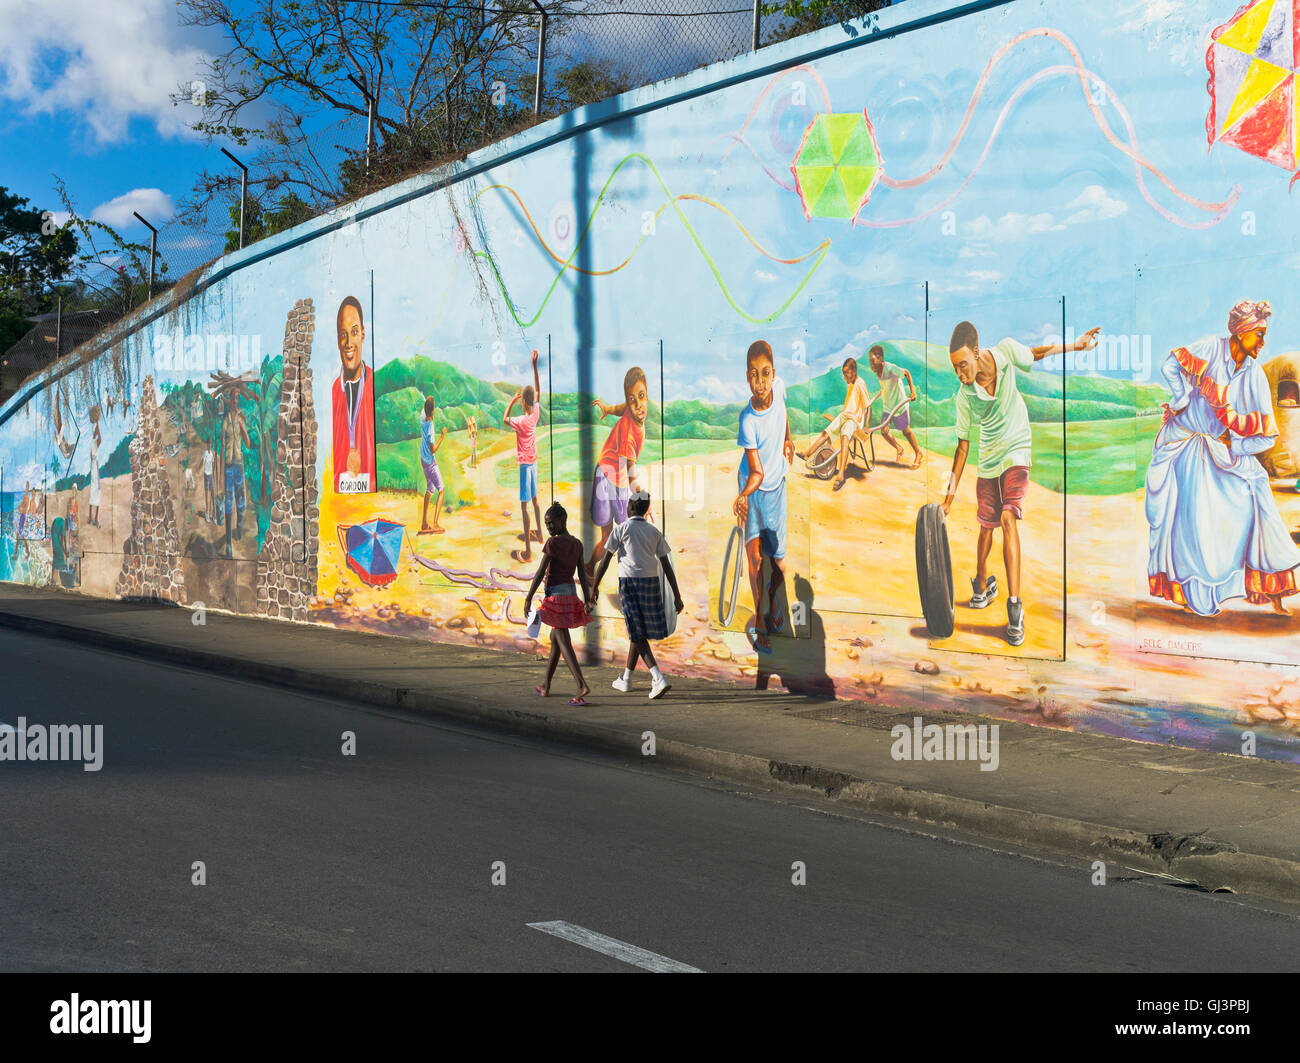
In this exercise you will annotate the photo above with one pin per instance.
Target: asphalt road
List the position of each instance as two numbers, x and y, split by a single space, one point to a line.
316 861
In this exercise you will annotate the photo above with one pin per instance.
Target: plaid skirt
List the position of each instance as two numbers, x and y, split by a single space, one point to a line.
643 608
563 608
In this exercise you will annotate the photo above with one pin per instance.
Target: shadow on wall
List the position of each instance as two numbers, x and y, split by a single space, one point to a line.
799 663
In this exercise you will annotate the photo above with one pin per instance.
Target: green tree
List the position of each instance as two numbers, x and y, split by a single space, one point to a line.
589 81
288 211
34 254
423 74
793 18
113 271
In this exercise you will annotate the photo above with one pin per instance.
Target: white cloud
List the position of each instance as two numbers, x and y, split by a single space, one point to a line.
764 275
1013 226
1149 13
1094 204
186 243
102 63
1167 25
154 205
714 389
854 348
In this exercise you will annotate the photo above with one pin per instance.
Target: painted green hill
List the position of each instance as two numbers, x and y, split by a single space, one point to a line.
402 384
1090 397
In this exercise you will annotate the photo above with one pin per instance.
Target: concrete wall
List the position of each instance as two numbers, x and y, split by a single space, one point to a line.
1035 169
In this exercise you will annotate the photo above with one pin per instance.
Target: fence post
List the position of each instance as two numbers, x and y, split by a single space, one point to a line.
541 61
758 15
153 248
243 192
58 331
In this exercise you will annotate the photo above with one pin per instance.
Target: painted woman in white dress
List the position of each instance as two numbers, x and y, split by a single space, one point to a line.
1216 533
92 502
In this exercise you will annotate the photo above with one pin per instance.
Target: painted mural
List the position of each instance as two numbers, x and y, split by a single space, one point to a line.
1032 272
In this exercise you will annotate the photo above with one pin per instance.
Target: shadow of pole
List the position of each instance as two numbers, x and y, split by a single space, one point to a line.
584 330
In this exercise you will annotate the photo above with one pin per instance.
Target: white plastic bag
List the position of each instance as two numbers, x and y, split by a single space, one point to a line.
666 593
534 628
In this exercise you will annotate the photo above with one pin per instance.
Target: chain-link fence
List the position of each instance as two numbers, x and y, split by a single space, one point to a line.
550 56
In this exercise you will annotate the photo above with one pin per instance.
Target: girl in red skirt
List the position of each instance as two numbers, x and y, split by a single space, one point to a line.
562 609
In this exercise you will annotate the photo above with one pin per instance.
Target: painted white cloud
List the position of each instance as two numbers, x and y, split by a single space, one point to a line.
854 348
719 390
1168 26
153 204
99 64
1013 226
1094 204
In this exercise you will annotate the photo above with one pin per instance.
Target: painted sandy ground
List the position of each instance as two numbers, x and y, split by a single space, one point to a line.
1104 680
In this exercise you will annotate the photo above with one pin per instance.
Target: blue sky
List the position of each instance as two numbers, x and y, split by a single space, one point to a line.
84 94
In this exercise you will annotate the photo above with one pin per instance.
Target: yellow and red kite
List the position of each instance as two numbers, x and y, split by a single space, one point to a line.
1252 61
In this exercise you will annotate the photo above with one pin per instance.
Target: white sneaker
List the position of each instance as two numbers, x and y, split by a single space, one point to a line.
620 684
659 688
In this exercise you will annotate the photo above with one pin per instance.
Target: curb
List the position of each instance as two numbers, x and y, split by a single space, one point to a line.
1210 865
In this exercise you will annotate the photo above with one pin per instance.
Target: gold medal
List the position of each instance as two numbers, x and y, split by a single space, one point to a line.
354 461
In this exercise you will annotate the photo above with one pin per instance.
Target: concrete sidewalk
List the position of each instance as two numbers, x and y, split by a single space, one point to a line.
1207 818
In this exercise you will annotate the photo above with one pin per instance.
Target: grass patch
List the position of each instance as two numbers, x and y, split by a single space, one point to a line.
400 470
1105 457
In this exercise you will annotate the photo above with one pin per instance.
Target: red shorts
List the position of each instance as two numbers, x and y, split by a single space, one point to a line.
1003 495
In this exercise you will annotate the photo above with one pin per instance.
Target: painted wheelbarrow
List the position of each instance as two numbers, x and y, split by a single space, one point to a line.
862 450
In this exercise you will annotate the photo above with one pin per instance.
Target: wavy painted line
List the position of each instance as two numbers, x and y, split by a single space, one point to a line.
820 251
750 148
1221 209
1130 149
739 137
683 196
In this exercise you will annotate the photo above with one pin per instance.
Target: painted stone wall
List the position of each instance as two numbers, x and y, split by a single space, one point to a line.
286 566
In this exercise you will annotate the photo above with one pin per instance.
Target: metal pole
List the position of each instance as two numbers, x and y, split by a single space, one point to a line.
541 60
243 192
153 248
58 330
758 16
370 126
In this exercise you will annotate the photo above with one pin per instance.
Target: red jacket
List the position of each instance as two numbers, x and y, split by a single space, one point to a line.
365 434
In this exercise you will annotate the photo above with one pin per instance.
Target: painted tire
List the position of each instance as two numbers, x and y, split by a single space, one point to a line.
736 551
934 571
823 462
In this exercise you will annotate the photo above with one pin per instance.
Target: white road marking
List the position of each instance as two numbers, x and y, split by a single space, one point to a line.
620 950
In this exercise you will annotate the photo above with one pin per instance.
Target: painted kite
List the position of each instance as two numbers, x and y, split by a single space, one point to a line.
837 165
1252 61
